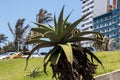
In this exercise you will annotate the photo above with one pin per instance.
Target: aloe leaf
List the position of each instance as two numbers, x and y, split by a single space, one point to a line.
86 33
60 22
55 58
66 33
44 26
33 41
51 35
65 21
68 51
37 36
48 44
95 57
39 30
48 57
77 39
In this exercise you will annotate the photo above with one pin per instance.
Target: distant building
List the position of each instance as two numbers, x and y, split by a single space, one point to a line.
109 23
95 8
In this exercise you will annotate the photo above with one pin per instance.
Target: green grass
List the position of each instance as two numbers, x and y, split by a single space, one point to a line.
110 60
13 69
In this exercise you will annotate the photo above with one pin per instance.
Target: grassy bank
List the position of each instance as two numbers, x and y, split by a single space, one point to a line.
110 60
14 69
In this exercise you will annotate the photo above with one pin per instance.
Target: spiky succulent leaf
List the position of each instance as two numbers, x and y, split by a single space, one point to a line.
66 33
94 57
55 58
65 21
51 35
48 57
99 36
37 41
67 48
87 32
77 39
39 30
44 26
47 44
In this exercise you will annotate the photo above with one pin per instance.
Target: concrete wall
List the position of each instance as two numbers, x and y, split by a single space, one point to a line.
109 76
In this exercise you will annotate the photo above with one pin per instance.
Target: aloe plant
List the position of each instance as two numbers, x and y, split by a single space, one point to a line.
69 61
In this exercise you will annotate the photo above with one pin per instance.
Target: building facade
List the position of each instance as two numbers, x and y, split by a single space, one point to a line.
95 8
109 23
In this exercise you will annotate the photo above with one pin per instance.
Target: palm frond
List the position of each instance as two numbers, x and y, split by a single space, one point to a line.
11 29
43 26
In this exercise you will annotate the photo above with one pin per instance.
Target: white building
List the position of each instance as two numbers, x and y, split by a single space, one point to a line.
95 8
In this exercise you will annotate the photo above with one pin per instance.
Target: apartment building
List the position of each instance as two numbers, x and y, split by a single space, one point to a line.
109 23
95 8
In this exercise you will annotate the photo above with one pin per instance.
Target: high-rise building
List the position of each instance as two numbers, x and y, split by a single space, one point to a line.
109 23
95 8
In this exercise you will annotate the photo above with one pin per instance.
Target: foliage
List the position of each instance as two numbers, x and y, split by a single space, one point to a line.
43 16
18 33
9 48
109 43
35 73
65 56
2 40
98 45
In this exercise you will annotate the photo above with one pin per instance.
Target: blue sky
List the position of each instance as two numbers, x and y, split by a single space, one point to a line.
12 10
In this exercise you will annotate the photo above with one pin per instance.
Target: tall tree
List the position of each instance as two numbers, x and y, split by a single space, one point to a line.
18 33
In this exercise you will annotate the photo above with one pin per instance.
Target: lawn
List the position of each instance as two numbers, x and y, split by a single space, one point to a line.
13 69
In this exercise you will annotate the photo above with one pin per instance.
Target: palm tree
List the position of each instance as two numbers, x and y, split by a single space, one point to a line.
43 16
2 39
65 56
18 33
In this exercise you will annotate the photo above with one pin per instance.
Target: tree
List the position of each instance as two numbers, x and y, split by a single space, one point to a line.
2 40
18 33
9 48
65 56
43 16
